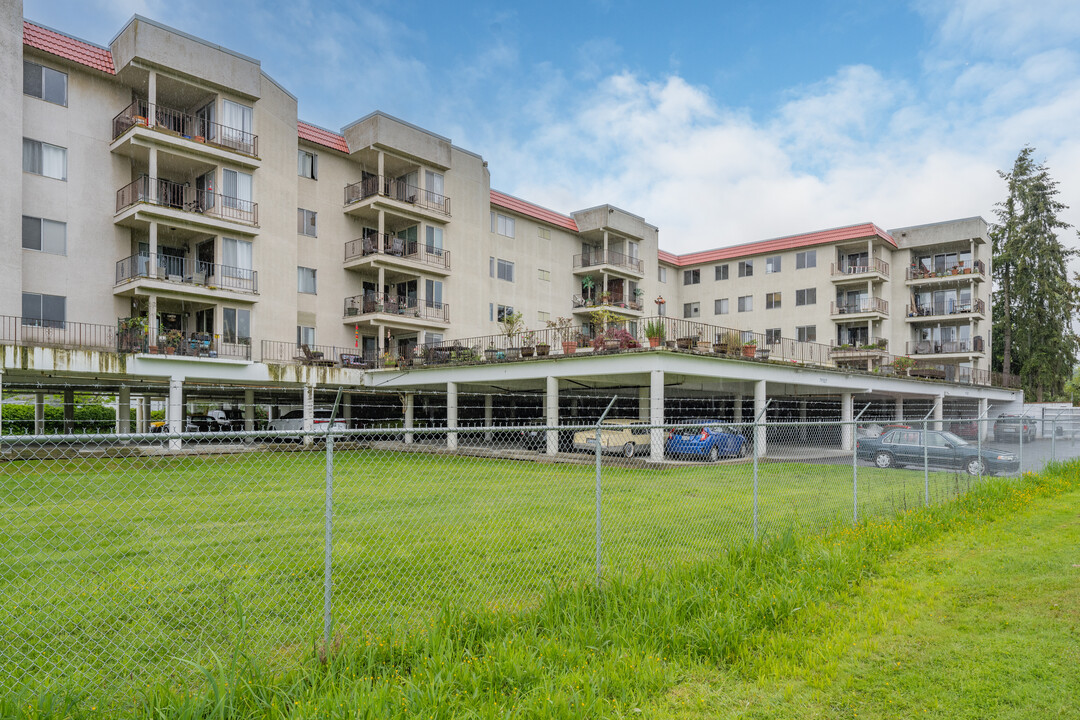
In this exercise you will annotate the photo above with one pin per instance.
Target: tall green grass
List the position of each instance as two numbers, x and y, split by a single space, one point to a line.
579 652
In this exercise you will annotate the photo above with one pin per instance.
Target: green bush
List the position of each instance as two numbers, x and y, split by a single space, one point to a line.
19 419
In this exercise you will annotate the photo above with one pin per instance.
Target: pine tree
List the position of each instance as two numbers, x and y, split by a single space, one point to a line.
1035 302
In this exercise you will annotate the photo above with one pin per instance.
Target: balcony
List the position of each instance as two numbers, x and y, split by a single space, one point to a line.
607 261
63 334
868 307
387 250
950 309
142 122
180 202
133 337
614 301
876 269
918 275
178 274
395 195
395 310
947 347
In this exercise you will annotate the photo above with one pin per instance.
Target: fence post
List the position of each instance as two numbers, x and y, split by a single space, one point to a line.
328 559
758 414
855 464
1023 429
599 450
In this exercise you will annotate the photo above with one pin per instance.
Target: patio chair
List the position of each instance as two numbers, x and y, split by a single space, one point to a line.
314 358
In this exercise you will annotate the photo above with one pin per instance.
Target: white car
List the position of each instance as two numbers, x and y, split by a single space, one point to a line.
294 420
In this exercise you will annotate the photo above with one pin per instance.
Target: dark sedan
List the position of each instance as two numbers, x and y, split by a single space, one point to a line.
900 447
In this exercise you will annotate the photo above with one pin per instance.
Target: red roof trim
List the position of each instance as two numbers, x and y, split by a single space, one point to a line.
534 211
821 237
67 47
319 136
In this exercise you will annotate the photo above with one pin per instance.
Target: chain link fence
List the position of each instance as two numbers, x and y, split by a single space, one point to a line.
126 556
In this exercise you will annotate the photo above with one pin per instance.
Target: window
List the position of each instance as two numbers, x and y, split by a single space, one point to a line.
691 277
746 268
491 266
543 317
44 235
433 182
43 310
772 336
433 293
720 307
772 301
806 333
45 83
307 164
502 225
772 264
691 310
661 274
237 190
305 280
544 275
44 159
746 303
305 222
236 120
434 240
504 270
504 311
236 258
237 325
491 312
806 297
721 272
807 259
305 335
543 233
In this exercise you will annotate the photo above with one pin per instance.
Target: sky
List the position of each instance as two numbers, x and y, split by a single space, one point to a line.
718 122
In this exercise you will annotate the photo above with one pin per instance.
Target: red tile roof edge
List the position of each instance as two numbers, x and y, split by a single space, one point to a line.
321 136
534 211
70 48
820 237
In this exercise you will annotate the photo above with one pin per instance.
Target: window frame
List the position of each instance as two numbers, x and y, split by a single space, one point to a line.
41 320
746 303
504 270
42 73
808 296
314 280
773 300
773 264
722 306
692 276
746 268
721 272
691 310
807 258
41 235
303 215
42 144
312 167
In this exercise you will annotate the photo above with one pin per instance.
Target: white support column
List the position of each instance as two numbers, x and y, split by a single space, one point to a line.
381 162
489 416
1 403
249 410
140 413
152 316
899 417
174 414
803 434
39 413
153 172
451 415
643 403
552 416
983 425
346 408
847 414
382 231
69 412
939 411
309 413
759 405
656 415
123 410
410 416
738 410
151 89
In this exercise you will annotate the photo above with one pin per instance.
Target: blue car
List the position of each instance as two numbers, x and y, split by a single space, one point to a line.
708 439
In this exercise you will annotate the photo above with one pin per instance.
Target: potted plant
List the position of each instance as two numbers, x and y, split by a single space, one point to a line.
491 354
605 297
729 343
562 328
687 342
614 339
542 348
528 344
389 360
654 330
749 348
512 324
173 340
902 365
587 285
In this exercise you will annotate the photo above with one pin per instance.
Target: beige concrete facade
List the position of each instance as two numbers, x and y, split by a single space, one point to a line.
183 202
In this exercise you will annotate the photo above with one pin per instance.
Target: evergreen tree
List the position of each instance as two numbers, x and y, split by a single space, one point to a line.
1035 303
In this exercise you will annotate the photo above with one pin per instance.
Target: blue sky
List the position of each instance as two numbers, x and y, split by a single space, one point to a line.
718 122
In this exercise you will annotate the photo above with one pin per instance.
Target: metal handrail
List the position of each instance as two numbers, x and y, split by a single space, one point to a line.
184 270
390 245
393 304
875 265
867 305
395 189
178 196
599 256
147 114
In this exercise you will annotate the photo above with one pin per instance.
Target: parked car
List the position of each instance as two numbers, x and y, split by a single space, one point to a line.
629 438
900 447
1013 427
707 439
967 429
531 438
294 420
227 420
200 424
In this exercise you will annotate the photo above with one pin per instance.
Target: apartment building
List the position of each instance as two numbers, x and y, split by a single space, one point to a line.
171 196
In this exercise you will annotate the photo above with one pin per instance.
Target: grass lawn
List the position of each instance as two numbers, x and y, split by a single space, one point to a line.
112 569
979 624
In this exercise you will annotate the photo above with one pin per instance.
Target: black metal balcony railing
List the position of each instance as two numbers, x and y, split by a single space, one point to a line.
859 346
917 272
398 190
165 193
866 305
874 265
289 353
35 332
143 113
946 307
402 305
183 270
598 256
133 336
610 299
932 347
376 244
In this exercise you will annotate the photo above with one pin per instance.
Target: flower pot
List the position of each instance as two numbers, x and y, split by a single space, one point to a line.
749 350
153 349
491 354
543 350
611 345
527 351
569 348
170 351
199 139
719 348
140 120
704 345
513 353
685 343
654 342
